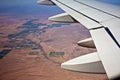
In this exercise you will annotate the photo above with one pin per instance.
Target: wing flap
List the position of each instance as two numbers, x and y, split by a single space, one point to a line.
75 5
108 51
96 15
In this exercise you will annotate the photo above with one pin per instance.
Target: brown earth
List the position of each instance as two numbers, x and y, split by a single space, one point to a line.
19 65
8 25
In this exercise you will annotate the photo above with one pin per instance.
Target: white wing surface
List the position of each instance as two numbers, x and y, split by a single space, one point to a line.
103 22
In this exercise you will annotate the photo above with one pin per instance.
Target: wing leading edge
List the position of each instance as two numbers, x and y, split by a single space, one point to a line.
102 20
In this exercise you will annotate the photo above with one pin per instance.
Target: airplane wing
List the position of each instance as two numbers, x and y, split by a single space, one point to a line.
103 22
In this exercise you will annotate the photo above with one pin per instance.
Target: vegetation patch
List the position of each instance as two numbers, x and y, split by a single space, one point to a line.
20 34
3 53
30 24
56 54
33 53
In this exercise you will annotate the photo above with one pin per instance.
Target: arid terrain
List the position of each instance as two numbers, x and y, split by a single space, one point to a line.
29 47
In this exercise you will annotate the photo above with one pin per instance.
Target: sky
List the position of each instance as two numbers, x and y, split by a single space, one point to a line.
115 2
24 7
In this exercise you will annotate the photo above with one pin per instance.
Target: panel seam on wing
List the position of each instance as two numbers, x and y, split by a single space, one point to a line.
97 9
78 12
